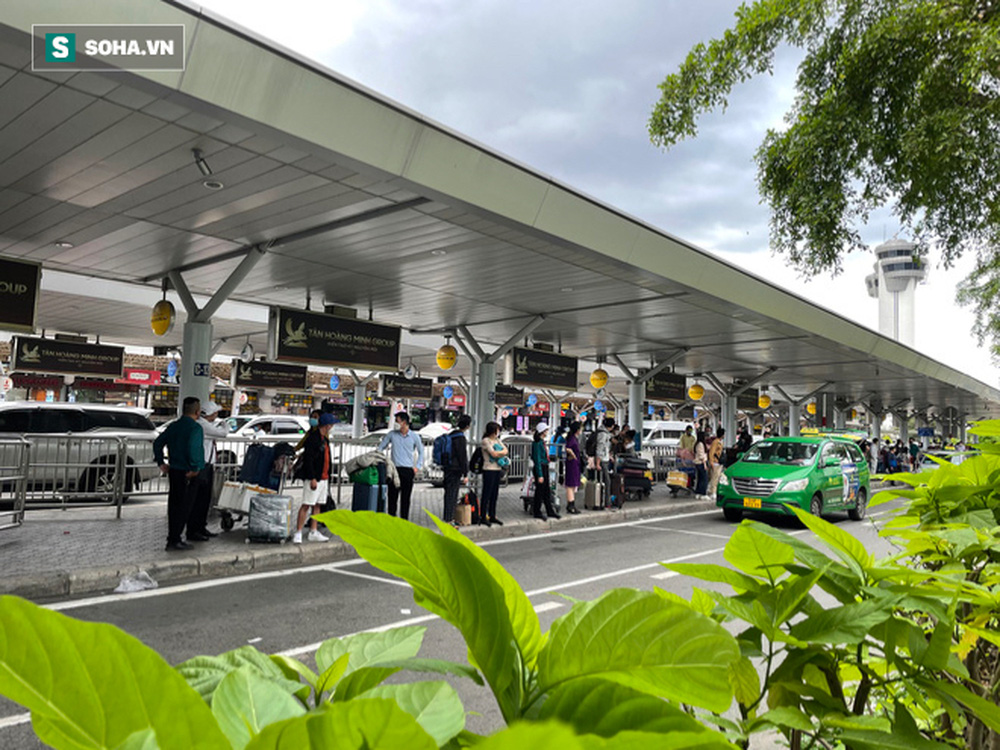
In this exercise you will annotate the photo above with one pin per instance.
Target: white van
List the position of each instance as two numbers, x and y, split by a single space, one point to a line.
658 432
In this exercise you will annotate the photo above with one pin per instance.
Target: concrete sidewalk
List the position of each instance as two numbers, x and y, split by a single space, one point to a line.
87 551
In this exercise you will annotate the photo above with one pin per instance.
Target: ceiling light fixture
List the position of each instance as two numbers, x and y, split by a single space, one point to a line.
199 159
64 245
439 252
566 289
213 184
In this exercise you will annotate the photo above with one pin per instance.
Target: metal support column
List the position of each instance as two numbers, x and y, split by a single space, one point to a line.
485 410
904 425
839 418
196 375
636 398
794 414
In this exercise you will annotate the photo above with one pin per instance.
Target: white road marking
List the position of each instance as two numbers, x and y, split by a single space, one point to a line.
547 606
687 531
591 529
249 577
195 586
616 573
13 721
665 574
366 576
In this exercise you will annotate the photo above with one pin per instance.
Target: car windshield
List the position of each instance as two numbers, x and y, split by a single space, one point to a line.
789 454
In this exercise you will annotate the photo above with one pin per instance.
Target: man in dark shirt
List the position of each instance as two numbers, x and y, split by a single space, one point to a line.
184 440
457 468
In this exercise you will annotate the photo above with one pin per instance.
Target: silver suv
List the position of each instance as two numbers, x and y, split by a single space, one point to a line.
75 447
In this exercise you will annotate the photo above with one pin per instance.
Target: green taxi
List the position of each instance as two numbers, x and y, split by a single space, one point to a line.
818 474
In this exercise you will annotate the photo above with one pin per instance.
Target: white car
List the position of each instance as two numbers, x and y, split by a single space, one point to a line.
274 424
74 446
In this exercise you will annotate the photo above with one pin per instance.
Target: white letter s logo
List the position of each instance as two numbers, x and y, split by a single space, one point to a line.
60 47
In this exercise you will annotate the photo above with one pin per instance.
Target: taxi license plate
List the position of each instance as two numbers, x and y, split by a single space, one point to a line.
751 502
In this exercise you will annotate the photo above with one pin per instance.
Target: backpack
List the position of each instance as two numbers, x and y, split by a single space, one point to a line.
590 447
476 462
442 451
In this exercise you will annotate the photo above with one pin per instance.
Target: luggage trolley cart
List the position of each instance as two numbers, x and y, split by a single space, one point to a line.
264 471
681 473
637 479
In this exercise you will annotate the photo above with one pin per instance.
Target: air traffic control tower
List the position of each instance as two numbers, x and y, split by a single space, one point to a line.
899 267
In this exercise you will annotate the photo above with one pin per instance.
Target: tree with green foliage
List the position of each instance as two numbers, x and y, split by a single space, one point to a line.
897 105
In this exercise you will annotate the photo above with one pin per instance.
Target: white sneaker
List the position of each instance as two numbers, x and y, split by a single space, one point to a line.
315 536
297 539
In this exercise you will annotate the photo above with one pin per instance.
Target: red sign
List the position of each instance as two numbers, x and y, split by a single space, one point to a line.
140 377
457 400
36 381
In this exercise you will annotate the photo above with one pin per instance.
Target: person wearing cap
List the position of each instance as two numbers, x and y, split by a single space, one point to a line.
540 472
316 473
212 429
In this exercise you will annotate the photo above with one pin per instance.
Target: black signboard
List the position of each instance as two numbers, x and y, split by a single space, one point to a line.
67 358
315 338
508 396
747 400
269 375
396 386
19 282
538 368
667 386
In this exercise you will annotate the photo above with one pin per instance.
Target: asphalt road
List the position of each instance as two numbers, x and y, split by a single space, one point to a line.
294 611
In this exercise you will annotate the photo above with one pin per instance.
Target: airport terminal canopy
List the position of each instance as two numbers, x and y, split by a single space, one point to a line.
367 204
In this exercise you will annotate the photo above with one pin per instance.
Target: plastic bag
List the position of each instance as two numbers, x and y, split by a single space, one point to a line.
141 581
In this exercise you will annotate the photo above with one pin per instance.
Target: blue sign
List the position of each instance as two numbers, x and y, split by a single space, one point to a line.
202 370
171 368
650 410
532 399
925 431
334 382
448 391
599 405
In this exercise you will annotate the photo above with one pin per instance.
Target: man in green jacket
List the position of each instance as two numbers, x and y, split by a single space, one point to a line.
184 440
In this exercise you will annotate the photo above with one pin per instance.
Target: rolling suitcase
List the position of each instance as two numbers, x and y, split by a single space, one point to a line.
593 496
367 497
271 518
616 497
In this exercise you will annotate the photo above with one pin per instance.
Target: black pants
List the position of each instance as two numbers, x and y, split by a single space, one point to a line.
180 500
606 482
452 479
543 495
402 493
491 491
198 523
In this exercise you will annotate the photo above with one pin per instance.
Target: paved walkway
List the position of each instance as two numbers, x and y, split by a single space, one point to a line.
85 551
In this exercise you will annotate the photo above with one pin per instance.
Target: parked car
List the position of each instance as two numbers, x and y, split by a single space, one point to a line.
817 474
235 423
62 458
275 424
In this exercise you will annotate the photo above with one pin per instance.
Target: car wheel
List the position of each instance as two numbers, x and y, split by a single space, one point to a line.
816 506
859 511
732 514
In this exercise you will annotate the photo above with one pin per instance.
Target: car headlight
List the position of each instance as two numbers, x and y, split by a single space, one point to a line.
796 485
723 479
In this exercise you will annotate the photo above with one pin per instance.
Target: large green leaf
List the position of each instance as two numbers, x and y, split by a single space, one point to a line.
986 711
451 581
754 553
847 547
244 703
523 618
435 705
838 580
363 724
552 735
204 673
849 623
640 640
365 649
862 739
593 706
90 685
364 679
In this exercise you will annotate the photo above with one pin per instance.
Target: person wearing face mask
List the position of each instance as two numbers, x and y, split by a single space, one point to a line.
313 427
408 456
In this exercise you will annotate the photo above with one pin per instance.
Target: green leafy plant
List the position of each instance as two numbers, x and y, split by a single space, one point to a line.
832 648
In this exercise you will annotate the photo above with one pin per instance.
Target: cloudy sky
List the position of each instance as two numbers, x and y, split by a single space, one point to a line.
567 87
